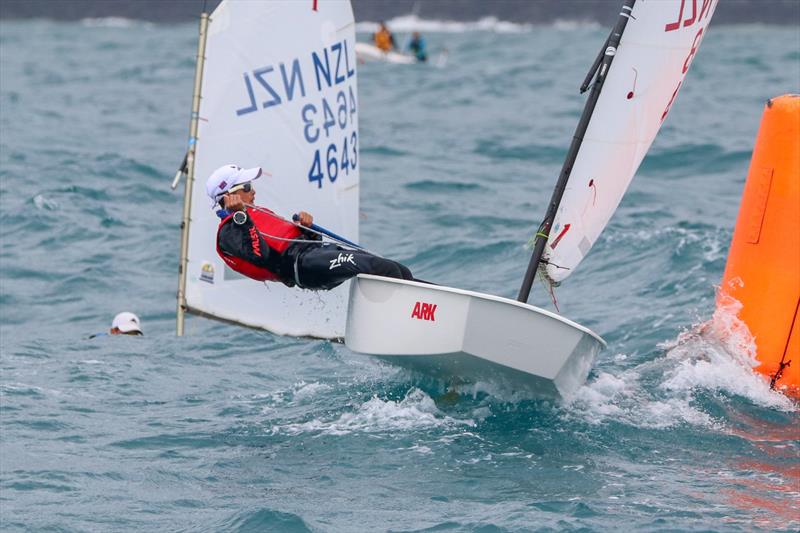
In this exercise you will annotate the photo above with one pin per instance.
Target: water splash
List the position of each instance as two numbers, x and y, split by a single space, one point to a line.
627 399
416 411
717 356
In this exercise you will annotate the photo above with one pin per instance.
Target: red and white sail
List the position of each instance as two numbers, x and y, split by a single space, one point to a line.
657 48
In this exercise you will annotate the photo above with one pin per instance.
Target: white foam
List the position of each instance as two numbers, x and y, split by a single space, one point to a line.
571 25
716 356
114 22
623 399
482 413
19 387
712 244
417 410
422 450
719 356
44 203
304 391
24 388
409 23
299 392
497 389
728 329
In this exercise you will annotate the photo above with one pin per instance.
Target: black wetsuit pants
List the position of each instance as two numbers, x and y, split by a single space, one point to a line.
324 266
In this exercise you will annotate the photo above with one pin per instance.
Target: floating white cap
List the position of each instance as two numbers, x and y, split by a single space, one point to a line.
222 179
126 322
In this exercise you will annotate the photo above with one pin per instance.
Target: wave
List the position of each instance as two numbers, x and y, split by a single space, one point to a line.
114 22
409 23
264 519
430 186
415 411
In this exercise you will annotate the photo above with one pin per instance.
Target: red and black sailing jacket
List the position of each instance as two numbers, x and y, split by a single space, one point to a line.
251 248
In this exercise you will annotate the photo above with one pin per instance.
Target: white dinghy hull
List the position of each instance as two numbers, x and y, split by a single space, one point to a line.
369 52
466 336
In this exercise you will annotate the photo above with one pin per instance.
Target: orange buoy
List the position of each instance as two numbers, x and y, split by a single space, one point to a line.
763 268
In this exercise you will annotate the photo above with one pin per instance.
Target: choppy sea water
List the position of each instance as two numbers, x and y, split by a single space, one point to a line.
229 429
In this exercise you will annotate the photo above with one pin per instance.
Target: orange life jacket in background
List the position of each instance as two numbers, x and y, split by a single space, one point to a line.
383 40
266 224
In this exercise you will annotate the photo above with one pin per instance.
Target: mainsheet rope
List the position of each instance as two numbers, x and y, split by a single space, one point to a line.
341 243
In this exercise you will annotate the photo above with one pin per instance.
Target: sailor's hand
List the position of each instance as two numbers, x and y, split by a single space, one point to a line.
305 219
234 202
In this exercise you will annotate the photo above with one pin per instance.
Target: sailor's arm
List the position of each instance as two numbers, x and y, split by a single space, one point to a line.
244 241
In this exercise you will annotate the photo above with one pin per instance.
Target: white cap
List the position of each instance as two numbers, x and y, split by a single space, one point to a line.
126 322
226 177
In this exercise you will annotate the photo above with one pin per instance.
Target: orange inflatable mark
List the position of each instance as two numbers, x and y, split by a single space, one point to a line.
763 269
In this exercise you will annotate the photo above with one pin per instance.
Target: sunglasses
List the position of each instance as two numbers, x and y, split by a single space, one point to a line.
246 187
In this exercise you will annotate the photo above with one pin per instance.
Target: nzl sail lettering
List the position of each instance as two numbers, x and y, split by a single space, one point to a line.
327 118
269 84
424 311
685 20
331 117
689 20
272 85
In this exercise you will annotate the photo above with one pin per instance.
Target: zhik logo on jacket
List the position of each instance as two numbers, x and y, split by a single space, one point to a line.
342 259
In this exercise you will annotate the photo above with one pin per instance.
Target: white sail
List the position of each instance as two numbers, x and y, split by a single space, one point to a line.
659 43
279 91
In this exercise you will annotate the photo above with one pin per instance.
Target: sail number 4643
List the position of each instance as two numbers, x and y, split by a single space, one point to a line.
335 160
339 156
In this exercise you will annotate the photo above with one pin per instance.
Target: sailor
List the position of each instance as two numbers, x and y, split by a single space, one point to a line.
256 242
125 323
383 38
417 47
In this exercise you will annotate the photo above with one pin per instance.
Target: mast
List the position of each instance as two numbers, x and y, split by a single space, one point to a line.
188 168
600 69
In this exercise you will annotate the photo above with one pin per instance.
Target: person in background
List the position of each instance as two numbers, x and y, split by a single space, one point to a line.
417 47
383 38
256 242
124 323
